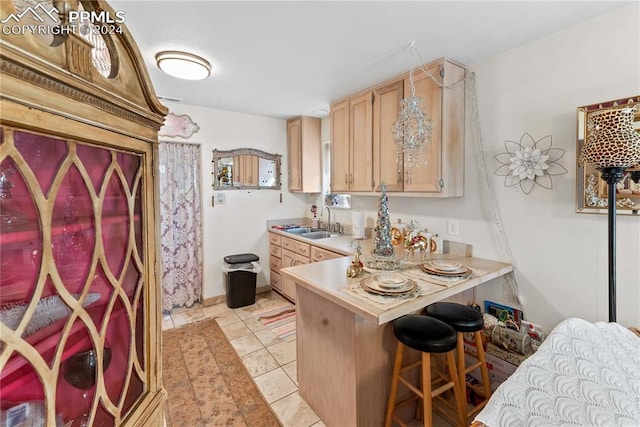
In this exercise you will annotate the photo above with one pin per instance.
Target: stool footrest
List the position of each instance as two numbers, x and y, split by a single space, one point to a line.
472 367
407 401
411 366
410 386
438 391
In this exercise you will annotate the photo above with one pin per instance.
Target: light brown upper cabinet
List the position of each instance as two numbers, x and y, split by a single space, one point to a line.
443 173
351 144
387 167
340 157
305 160
442 101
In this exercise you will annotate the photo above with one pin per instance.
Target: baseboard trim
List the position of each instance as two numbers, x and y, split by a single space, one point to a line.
223 298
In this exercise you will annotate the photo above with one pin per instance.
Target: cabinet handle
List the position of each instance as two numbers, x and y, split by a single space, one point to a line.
350 178
406 177
399 180
346 178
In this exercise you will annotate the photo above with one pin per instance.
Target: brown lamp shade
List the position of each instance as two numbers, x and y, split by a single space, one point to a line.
611 141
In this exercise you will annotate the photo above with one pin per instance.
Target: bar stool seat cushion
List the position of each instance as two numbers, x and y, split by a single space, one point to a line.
426 334
458 316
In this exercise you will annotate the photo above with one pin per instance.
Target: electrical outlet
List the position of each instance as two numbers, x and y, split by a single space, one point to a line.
221 198
452 227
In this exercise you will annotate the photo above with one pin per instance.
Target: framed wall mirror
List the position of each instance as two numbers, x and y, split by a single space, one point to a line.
246 168
591 190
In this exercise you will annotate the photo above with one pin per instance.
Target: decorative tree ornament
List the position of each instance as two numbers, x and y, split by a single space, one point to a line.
530 162
382 242
383 256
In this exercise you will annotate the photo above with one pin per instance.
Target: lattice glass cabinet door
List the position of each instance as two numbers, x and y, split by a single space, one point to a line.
72 261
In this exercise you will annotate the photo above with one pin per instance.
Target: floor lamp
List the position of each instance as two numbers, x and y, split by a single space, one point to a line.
612 145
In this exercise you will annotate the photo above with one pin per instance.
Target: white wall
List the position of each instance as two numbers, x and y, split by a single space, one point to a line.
560 256
239 225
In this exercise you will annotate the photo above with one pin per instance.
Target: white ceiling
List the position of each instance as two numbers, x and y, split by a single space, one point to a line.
290 58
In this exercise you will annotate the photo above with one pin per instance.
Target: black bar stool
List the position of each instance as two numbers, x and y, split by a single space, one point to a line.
465 319
427 335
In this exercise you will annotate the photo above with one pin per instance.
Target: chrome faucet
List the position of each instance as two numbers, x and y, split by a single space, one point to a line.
329 216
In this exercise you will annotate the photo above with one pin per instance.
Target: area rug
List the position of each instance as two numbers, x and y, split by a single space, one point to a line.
279 319
206 381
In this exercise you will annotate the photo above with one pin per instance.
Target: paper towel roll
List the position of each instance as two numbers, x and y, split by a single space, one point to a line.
357 220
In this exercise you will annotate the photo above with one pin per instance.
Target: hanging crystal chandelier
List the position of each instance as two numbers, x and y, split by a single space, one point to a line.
412 131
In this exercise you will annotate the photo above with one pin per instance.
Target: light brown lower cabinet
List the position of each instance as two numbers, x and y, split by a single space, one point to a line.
288 252
319 254
290 259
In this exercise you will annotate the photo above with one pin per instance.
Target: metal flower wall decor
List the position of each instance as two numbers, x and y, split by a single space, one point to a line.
530 163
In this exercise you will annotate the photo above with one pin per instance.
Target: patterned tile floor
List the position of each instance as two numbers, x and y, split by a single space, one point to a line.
270 360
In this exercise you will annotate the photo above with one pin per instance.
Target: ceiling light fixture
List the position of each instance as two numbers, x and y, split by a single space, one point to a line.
183 65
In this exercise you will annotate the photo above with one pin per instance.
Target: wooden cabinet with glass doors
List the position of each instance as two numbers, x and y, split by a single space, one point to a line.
79 296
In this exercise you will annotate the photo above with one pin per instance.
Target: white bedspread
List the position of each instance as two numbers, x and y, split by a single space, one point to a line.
583 374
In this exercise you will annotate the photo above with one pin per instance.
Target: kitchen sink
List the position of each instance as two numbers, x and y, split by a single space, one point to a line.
320 234
310 232
302 230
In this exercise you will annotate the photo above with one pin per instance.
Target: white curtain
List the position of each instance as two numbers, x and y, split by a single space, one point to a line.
180 224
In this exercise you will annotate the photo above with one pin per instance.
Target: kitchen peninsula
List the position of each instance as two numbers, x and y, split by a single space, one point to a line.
345 346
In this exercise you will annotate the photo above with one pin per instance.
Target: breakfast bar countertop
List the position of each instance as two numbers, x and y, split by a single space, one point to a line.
329 277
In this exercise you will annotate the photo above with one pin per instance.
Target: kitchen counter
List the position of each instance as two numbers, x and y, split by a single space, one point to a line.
345 345
327 278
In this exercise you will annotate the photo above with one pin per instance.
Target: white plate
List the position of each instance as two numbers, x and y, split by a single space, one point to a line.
443 265
390 280
408 286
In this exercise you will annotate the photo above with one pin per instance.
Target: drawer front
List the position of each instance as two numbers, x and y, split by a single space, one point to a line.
319 254
276 251
275 263
276 280
275 239
296 246
299 259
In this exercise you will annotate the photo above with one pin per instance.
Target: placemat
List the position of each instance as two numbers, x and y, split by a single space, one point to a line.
386 302
417 273
427 284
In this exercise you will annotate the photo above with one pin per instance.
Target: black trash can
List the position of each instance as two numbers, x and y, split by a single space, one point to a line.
241 271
